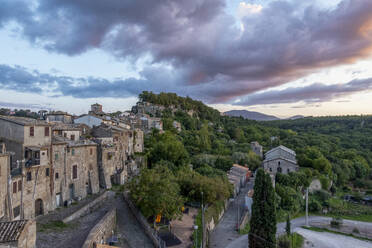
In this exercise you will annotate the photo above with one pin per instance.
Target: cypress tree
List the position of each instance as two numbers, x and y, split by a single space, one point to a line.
263 221
288 226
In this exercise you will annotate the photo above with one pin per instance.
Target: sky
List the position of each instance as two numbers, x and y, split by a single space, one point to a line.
280 57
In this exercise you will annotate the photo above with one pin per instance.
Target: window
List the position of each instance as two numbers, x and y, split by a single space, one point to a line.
14 187
72 151
279 163
32 131
288 170
279 169
74 172
91 151
46 131
47 172
57 175
271 169
72 137
19 185
56 156
90 167
109 156
29 176
16 211
65 135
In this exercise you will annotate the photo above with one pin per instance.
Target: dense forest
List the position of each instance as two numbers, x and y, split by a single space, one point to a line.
335 150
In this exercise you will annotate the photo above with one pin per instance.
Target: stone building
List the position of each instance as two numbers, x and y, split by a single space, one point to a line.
257 148
280 160
4 175
59 116
116 148
75 170
71 132
92 120
30 183
18 234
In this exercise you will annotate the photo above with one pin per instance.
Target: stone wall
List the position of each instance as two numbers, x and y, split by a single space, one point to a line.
27 239
143 222
286 166
4 172
102 230
87 208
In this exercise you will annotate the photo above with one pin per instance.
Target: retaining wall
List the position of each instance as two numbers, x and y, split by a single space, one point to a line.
89 207
102 230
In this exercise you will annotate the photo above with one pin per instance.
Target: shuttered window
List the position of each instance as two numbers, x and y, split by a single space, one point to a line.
74 172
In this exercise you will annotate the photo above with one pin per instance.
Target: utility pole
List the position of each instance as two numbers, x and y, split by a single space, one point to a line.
307 207
202 244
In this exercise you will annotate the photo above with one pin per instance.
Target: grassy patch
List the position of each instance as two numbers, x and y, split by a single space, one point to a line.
54 226
198 233
281 215
295 240
359 217
318 229
245 230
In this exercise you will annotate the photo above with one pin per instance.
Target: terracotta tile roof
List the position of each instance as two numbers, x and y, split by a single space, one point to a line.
10 231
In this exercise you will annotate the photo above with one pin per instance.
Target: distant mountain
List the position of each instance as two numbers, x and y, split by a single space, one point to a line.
251 115
296 117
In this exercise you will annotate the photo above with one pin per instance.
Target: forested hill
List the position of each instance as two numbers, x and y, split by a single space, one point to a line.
338 148
172 100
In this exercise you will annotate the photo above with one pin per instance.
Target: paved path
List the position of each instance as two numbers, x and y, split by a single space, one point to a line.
129 232
128 228
225 232
297 223
330 240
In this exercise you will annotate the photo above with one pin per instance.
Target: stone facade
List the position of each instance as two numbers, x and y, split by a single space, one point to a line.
59 116
280 160
257 148
102 231
18 234
4 175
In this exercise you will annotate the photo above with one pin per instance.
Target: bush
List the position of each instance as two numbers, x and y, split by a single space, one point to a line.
336 222
284 242
314 206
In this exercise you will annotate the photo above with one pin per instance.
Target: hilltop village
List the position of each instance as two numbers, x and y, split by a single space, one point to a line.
171 172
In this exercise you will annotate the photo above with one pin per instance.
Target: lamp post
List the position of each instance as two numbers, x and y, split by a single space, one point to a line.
196 236
202 244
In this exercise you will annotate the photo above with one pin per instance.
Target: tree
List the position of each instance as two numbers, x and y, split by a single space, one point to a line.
167 147
263 221
288 226
155 191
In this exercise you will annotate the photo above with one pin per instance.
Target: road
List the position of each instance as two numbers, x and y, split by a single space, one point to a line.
225 232
319 238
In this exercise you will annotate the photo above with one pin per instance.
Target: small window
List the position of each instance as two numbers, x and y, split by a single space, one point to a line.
109 156
288 170
65 135
72 137
74 172
91 151
57 175
16 211
47 172
19 185
29 176
271 169
32 131
90 167
56 156
72 151
14 187
46 131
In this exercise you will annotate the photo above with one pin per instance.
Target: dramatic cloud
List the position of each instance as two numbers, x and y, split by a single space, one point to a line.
314 93
209 56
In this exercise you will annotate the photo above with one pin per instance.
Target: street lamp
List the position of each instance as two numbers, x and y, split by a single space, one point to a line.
196 236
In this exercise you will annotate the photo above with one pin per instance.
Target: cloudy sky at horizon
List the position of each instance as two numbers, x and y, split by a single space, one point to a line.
281 57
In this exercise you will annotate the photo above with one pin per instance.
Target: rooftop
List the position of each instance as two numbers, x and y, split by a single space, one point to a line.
10 231
24 121
281 147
